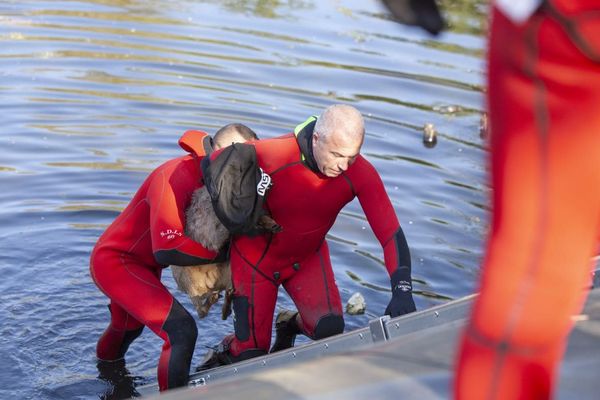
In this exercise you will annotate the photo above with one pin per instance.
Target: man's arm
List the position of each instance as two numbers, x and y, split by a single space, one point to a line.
400 280
170 245
382 218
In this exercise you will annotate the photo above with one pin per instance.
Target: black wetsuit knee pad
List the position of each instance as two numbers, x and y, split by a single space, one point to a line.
241 322
182 333
181 327
328 325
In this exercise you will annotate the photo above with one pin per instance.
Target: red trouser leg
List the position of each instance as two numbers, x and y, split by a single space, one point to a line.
253 305
137 294
544 102
315 293
122 330
312 287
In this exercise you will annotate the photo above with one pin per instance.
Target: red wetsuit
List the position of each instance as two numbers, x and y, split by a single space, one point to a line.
306 203
128 259
544 104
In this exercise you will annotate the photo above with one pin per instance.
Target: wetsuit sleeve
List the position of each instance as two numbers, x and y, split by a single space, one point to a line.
382 218
170 245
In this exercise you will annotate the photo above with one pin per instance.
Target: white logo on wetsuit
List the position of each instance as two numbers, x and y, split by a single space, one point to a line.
264 184
171 234
404 286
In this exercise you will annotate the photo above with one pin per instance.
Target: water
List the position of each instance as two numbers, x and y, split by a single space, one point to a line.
95 93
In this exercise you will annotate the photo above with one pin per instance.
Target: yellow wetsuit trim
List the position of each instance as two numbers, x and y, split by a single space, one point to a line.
299 128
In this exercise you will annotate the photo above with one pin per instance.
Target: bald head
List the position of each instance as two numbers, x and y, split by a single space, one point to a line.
337 139
342 119
233 133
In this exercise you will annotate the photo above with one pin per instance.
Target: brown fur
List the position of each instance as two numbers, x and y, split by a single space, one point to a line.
204 283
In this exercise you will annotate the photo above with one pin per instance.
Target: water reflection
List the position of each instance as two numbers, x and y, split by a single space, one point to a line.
266 8
120 165
467 16
95 94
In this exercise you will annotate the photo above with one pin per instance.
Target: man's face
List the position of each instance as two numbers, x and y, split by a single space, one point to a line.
336 152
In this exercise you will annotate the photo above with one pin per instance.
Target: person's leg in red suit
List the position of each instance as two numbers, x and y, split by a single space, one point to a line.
544 104
254 298
138 299
316 295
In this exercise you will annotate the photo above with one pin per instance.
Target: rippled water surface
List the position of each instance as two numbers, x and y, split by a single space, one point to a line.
94 94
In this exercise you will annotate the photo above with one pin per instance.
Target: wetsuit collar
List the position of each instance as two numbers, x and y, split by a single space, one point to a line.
304 133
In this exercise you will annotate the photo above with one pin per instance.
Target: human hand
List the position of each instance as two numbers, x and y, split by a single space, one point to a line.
400 304
402 300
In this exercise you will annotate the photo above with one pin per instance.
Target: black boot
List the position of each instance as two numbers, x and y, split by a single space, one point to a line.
286 329
220 355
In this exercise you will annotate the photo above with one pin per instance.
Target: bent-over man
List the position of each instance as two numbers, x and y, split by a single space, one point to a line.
315 171
128 259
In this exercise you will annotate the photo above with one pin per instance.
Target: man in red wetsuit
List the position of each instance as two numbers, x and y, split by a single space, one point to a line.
314 171
543 102
127 262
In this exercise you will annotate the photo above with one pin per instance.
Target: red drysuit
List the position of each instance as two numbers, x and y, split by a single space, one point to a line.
544 104
128 259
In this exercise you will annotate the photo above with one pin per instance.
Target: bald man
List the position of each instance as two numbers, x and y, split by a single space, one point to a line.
315 171
127 262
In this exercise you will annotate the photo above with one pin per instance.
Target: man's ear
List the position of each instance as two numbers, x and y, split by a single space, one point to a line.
315 137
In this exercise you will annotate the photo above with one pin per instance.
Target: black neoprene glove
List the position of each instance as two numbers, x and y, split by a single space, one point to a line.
402 300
